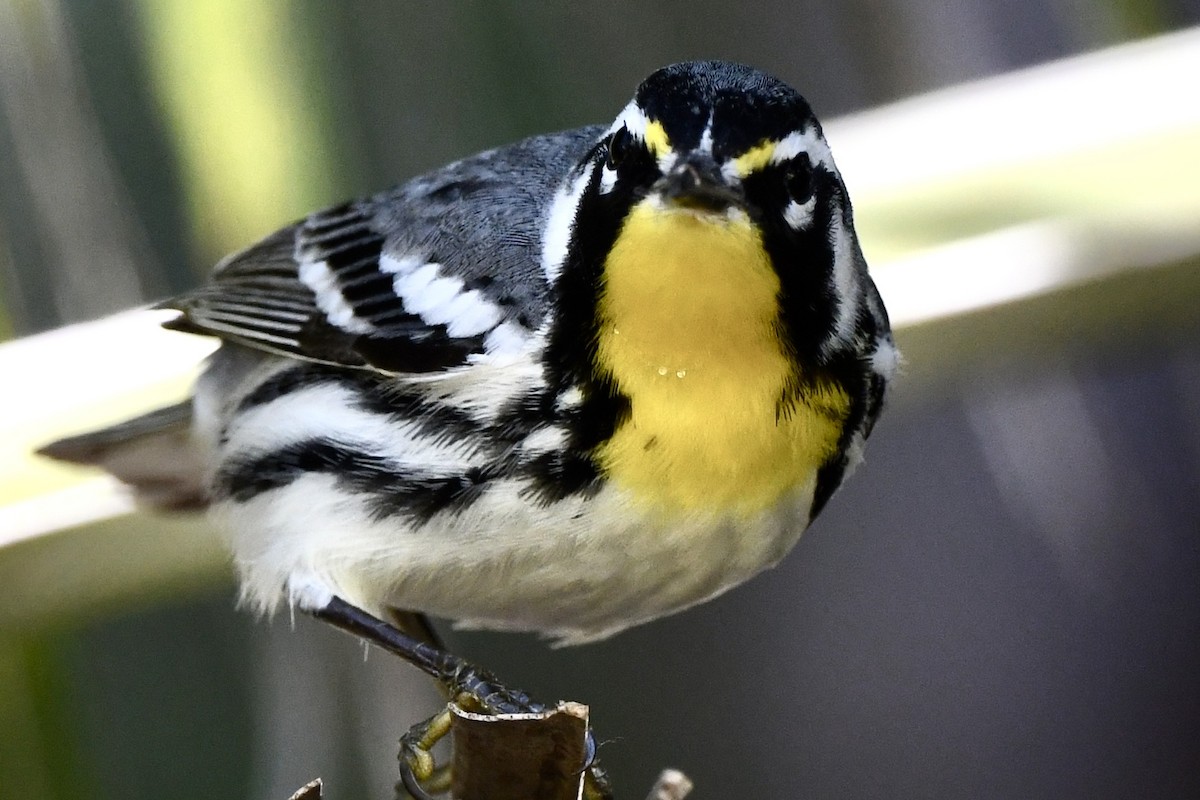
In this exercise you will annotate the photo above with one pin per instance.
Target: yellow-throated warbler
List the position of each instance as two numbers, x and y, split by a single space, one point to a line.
567 385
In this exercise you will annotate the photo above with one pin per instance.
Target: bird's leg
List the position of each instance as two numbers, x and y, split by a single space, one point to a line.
469 686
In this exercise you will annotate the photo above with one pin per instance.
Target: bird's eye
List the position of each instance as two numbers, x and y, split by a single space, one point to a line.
620 145
799 179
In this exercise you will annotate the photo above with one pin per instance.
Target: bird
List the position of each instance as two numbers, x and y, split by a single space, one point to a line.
568 385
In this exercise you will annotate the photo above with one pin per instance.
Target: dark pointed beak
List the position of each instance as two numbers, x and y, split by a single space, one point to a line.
696 182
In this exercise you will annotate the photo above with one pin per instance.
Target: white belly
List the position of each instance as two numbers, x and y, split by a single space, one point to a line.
576 570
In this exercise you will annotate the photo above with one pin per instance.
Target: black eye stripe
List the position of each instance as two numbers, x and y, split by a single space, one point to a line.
776 177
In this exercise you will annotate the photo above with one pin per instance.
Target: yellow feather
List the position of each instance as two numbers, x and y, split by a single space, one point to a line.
657 140
690 333
755 158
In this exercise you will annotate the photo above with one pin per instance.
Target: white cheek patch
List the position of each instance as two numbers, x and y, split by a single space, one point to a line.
845 280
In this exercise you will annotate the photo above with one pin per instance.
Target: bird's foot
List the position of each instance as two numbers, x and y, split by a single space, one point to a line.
469 687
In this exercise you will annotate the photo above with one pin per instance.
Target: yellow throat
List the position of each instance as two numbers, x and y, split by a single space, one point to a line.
690 331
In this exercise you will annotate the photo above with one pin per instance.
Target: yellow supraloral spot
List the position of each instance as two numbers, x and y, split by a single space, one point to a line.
657 140
699 355
755 158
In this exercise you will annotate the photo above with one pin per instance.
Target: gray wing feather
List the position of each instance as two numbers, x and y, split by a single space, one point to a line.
377 283
482 217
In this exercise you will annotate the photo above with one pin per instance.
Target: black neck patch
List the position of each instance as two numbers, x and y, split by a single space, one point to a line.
571 349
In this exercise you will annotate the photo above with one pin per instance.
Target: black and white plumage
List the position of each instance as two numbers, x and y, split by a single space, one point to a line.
417 279
421 401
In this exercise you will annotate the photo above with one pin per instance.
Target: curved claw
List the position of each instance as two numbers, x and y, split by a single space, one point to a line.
417 765
412 787
411 784
596 784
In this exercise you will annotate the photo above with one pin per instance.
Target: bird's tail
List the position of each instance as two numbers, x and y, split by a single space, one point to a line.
154 454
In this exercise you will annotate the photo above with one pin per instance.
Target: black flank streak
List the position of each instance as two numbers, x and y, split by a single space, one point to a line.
379 395
522 415
389 492
243 479
559 475
285 382
423 498
439 422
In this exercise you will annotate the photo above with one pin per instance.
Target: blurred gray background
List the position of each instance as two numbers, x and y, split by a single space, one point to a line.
1001 603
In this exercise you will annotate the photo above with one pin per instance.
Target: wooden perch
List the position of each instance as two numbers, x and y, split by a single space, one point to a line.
309 791
524 756
519 756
